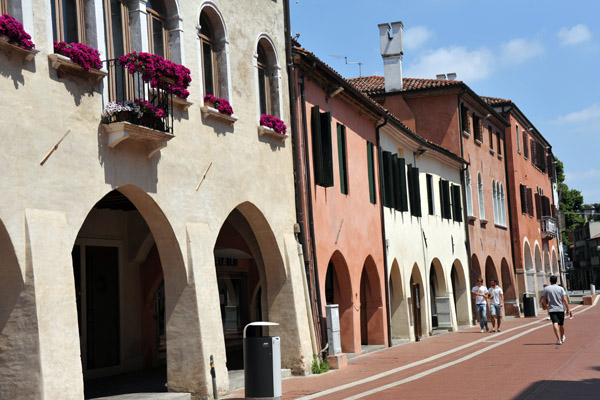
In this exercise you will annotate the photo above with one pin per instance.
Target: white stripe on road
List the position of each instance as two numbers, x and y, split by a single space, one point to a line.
452 363
416 363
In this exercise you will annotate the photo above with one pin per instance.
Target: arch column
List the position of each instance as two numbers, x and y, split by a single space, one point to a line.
138 23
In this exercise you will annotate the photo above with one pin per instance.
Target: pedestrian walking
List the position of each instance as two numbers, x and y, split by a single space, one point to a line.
480 293
555 300
542 303
496 296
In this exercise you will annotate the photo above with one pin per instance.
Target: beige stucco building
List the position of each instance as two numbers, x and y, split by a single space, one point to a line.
120 252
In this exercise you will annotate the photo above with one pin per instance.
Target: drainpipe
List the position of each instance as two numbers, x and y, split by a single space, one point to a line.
462 179
383 237
301 234
510 222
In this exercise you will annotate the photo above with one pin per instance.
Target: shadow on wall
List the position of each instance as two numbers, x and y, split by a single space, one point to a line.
551 390
12 66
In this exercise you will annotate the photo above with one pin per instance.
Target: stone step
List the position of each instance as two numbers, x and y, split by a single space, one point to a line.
236 378
148 396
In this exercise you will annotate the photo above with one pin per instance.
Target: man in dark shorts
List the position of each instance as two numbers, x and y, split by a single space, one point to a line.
554 298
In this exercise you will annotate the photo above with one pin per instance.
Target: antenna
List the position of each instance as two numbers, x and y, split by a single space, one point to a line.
350 62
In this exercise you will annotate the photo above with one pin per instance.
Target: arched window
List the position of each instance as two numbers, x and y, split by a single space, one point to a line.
469 192
268 78
68 23
157 31
495 202
480 193
213 42
502 205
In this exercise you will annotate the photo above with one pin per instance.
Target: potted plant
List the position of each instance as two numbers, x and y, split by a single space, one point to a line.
117 111
221 105
274 123
14 32
85 56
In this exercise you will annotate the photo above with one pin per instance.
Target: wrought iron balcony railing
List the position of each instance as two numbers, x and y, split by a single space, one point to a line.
155 103
549 227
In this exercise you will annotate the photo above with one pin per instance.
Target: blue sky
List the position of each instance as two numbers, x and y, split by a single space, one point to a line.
543 55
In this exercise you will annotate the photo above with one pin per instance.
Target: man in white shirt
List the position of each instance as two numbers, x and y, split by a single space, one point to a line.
555 301
480 294
496 296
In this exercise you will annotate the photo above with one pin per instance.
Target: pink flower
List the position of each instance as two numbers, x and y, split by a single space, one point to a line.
82 55
220 104
13 29
274 123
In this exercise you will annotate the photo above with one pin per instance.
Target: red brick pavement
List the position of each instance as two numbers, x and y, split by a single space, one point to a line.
521 363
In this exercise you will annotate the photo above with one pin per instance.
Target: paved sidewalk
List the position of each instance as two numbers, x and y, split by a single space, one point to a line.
520 361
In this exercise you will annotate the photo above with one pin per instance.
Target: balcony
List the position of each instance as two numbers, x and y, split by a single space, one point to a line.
136 110
549 227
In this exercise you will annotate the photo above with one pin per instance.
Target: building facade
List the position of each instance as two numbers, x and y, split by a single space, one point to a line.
119 252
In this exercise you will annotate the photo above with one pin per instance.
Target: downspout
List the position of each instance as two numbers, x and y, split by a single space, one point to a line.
300 235
383 237
462 179
311 221
510 220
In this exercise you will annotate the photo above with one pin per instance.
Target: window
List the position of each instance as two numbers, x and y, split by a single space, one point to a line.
495 201
525 145
388 179
210 76
414 191
464 119
430 202
157 32
371 171
68 24
264 82
445 199
456 203
491 133
469 192
502 205
116 36
394 182
321 147
518 139
477 128
268 77
523 192
480 194
499 141
538 205
3 7
530 201
341 141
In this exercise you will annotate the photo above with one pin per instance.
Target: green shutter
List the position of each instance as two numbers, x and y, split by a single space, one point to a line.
447 199
371 169
341 141
456 203
416 188
429 180
402 180
327 149
396 182
317 152
442 202
388 179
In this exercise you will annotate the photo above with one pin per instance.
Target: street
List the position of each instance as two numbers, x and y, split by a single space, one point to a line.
521 362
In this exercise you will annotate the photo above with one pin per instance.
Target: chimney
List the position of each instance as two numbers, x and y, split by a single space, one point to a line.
390 39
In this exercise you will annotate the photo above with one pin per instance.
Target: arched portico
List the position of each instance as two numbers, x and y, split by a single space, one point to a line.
418 311
555 268
338 290
372 317
438 296
539 270
490 271
399 307
529 268
460 293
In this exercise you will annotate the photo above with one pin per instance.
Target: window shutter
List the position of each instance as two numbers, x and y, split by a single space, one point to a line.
341 136
402 184
456 203
523 199
550 160
327 149
447 199
371 171
530 201
546 207
315 122
526 144
388 179
416 188
429 193
538 206
442 201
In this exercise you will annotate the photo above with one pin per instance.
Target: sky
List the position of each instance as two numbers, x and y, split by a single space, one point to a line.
542 55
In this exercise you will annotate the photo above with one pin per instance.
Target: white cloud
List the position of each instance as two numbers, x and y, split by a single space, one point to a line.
415 36
575 35
519 50
469 65
591 175
587 114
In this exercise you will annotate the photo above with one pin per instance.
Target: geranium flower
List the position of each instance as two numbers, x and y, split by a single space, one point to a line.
274 123
15 32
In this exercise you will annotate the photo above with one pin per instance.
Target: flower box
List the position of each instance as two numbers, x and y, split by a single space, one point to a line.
9 48
211 112
119 132
270 132
466 134
64 65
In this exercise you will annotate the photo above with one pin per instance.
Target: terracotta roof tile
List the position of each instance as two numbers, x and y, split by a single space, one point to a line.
374 85
493 101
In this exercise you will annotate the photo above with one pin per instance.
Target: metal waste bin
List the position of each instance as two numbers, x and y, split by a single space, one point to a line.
529 304
262 364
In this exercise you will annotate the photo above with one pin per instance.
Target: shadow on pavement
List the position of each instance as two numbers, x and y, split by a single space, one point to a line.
549 390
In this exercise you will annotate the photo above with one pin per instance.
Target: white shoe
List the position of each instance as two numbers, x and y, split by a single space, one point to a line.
548 318
482 330
563 339
559 342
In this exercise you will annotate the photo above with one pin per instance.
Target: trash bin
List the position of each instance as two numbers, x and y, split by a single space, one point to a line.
262 364
529 305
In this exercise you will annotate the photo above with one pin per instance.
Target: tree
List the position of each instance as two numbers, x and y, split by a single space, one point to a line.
571 202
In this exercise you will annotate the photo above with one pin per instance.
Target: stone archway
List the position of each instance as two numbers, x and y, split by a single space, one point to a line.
337 289
490 271
398 305
461 293
555 268
477 273
539 270
439 302
529 268
507 283
372 316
